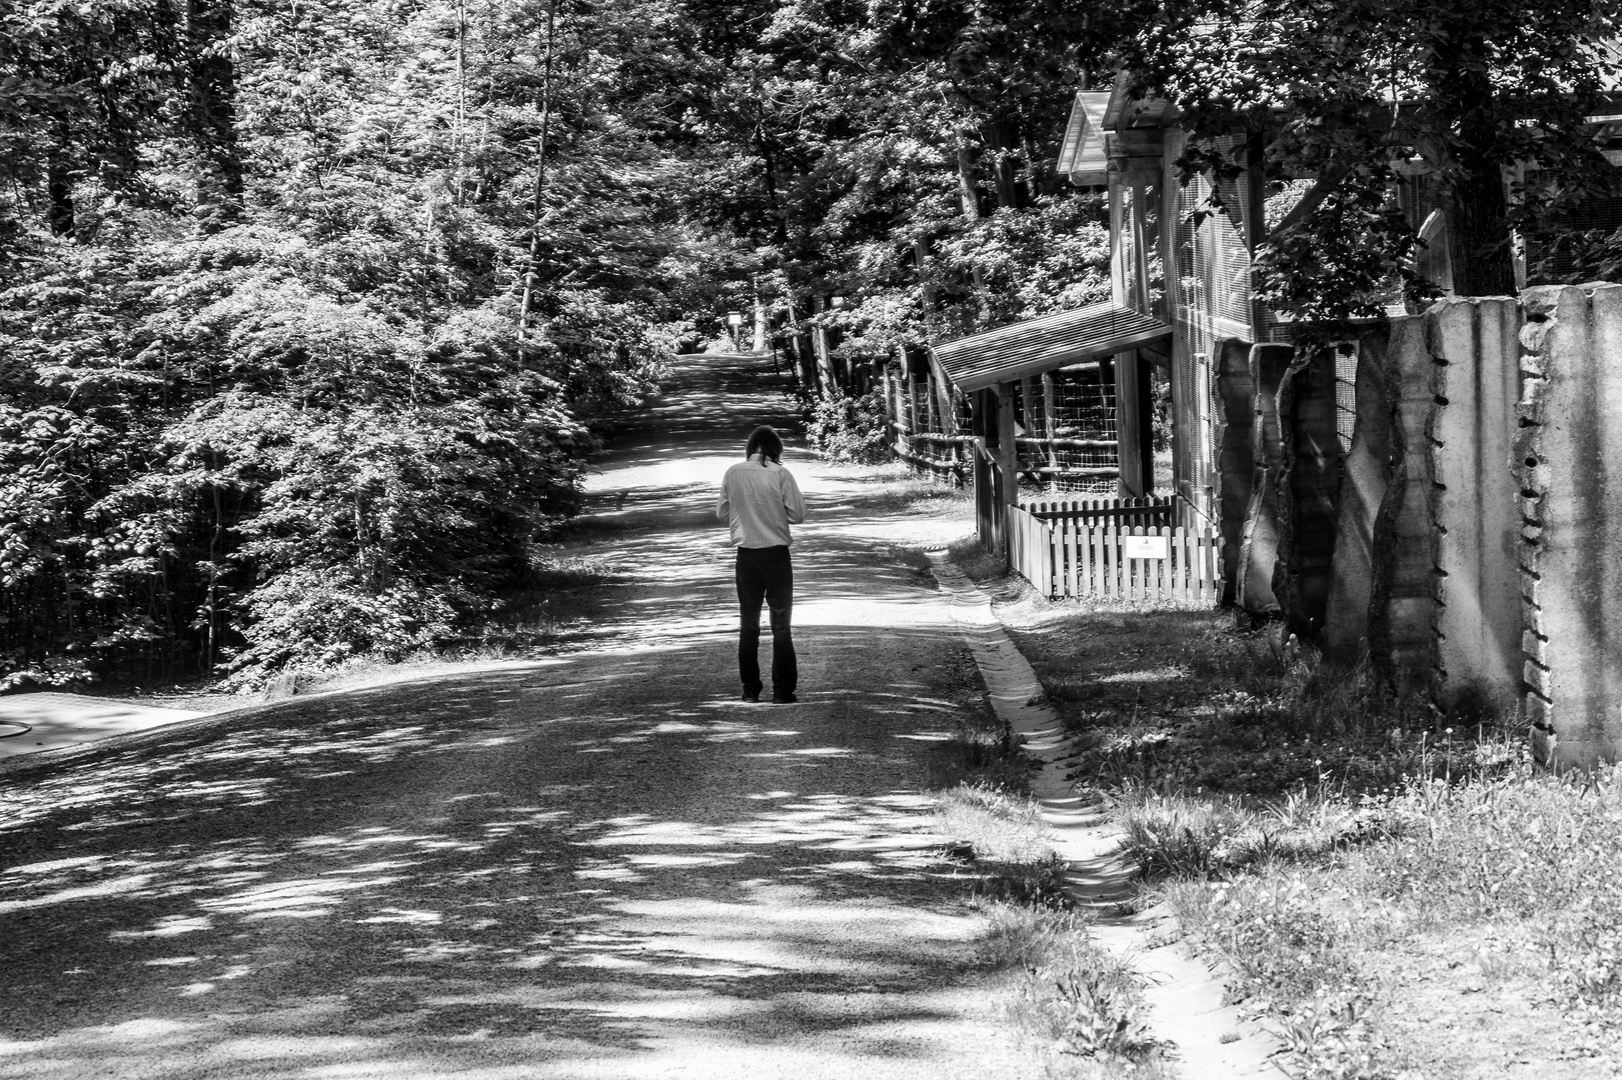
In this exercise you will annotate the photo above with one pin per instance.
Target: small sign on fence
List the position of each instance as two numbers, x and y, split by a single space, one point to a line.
1146 547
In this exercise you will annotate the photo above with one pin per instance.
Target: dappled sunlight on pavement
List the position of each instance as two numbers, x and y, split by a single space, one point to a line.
601 864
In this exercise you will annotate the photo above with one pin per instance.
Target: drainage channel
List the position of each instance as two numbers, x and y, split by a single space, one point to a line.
1209 1040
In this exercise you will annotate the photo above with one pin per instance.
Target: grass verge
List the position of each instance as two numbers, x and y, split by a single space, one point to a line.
1076 1005
1398 892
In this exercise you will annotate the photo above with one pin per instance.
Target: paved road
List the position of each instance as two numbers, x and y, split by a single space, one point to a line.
598 865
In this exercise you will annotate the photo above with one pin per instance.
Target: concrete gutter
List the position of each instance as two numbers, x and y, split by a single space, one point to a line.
1209 1040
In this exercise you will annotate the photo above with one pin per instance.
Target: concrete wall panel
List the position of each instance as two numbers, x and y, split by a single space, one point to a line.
1475 347
1259 543
1402 602
1235 405
1568 452
1308 487
1365 477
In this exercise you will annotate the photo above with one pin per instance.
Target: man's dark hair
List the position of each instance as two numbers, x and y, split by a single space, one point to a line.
765 441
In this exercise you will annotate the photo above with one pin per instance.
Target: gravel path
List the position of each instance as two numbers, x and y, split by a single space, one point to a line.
598 865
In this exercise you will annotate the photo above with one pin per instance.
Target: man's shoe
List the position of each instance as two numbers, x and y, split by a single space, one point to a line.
751 695
784 699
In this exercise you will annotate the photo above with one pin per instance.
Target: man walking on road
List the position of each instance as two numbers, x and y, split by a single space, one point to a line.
759 501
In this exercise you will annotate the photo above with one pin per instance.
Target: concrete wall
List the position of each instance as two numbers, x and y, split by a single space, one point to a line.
1234 391
1308 486
1427 523
1402 605
1365 476
1477 540
1258 547
1568 453
1475 350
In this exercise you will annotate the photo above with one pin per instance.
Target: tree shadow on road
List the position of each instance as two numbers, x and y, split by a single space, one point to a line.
241 890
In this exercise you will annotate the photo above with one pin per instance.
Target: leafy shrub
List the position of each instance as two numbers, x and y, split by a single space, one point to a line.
217 454
849 429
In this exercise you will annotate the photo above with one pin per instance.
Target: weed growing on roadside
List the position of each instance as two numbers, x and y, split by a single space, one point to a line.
1198 836
1072 998
974 560
1016 861
1087 1005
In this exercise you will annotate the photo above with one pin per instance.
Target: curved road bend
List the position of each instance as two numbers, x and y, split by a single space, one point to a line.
600 865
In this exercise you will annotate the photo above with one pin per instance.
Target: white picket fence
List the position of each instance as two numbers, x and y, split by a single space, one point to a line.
1068 559
1100 511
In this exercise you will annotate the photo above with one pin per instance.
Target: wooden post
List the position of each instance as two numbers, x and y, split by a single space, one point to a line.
889 402
1140 254
903 415
796 341
1050 427
1128 427
825 370
919 424
1007 463
1117 252
1255 215
946 401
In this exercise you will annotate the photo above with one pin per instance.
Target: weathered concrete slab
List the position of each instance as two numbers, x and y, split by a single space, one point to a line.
1259 543
1235 404
1366 474
1308 486
1568 451
1402 604
1475 346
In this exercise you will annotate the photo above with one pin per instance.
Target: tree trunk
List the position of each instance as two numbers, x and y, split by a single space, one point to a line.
968 194
779 224
59 185
531 268
1478 233
459 136
1003 138
969 199
1033 187
212 82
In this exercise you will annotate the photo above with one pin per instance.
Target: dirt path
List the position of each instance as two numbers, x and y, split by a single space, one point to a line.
600 865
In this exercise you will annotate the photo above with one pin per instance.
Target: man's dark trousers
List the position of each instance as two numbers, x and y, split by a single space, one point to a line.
766 574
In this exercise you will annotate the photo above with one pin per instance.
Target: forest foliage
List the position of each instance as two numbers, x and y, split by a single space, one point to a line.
310 311
266 397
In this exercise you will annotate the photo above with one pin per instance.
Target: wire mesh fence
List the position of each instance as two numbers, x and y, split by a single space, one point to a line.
1069 440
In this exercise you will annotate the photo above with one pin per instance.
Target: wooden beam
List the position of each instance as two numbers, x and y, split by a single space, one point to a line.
1128 436
1255 213
1007 465
1140 254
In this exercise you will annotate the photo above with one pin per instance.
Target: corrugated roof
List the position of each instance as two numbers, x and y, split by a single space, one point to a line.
1052 341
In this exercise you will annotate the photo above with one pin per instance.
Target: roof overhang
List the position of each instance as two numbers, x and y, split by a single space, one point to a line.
1082 156
1032 347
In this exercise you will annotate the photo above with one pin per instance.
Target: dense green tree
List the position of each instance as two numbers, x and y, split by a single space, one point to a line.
265 397
1361 93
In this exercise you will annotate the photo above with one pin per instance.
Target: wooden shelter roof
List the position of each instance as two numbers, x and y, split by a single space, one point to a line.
1044 344
1082 156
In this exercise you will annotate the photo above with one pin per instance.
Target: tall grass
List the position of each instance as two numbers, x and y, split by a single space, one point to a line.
975 560
1078 1004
